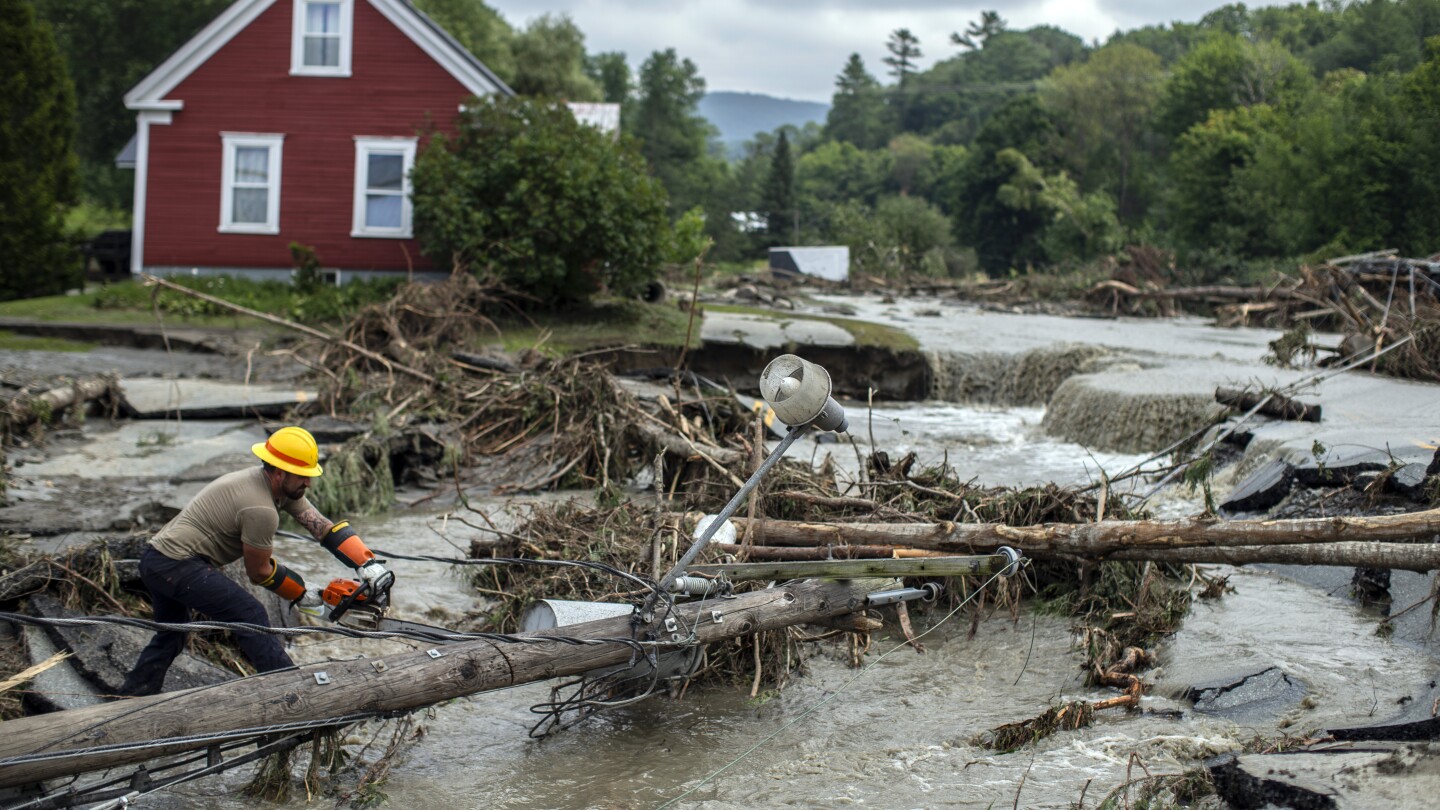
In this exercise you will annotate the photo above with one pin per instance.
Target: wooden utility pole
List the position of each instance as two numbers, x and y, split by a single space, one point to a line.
43 747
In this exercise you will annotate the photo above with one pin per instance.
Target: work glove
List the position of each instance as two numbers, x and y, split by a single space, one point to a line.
372 570
311 603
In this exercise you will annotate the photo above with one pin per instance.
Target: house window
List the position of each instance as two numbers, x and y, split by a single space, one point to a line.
382 186
250 183
320 43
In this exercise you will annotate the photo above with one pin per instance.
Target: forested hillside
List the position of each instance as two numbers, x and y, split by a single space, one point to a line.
1251 139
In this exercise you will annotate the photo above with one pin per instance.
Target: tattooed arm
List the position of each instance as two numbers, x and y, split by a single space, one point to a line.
317 524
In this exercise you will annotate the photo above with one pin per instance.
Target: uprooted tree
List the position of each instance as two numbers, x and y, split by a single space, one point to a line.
547 205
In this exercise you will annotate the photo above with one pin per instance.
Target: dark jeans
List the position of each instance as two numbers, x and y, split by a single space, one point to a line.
180 586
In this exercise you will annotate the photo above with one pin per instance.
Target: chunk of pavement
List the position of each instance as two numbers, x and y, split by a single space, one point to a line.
1339 466
103 654
1261 489
59 687
146 398
1390 775
331 430
1261 694
1427 729
1409 481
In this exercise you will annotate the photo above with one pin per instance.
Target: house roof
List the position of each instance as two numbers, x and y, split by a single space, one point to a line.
151 92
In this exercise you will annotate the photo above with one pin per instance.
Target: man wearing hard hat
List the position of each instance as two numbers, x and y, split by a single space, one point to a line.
234 517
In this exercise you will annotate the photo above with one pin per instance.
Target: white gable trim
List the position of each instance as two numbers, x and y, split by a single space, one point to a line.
457 64
150 93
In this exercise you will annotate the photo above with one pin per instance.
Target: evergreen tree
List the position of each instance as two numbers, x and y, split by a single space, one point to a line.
778 197
672 133
37 164
904 48
989 24
857 110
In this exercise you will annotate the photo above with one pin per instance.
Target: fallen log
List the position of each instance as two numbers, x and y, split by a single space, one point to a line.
1417 557
24 410
1104 538
37 748
1272 404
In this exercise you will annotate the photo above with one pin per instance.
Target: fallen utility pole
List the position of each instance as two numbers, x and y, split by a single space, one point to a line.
34 749
1101 539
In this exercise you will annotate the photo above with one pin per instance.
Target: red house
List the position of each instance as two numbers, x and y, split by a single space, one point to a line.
293 121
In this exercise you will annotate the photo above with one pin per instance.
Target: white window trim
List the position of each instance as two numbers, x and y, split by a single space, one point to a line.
297 41
363 147
231 141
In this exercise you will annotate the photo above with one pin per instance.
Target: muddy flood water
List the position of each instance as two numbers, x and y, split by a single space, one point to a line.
897 732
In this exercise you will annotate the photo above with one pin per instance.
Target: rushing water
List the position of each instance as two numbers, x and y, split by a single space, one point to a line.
898 732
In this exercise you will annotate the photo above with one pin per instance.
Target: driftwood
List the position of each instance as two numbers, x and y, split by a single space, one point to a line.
1212 291
1272 404
24 410
175 722
824 552
278 321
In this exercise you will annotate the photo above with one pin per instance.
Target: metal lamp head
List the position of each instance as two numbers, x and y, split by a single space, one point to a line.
799 393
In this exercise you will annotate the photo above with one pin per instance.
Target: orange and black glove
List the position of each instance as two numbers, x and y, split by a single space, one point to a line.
346 545
284 582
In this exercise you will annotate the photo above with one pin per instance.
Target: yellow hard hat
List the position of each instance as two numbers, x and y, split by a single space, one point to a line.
292 449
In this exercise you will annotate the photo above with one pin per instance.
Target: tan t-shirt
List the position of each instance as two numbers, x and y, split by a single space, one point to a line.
232 510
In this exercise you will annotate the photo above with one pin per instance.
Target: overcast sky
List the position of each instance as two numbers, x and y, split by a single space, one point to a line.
795 48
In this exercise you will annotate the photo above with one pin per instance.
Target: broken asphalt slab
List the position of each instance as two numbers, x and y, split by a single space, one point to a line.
1331 777
146 398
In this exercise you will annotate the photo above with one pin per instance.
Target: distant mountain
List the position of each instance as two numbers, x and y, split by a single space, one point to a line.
739 116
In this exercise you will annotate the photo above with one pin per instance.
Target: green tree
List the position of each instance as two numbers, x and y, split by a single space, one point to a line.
479 28
109 46
904 48
778 200
953 99
554 208
1212 202
612 73
836 171
857 109
1003 236
1078 226
980 31
550 61
673 135
37 161
1105 106
1225 72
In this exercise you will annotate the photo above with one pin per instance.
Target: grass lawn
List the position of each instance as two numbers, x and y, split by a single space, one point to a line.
600 324
11 342
82 308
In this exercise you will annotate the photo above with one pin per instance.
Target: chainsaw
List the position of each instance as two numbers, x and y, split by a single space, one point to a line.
363 605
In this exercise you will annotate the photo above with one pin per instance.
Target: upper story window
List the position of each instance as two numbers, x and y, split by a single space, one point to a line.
250 183
382 186
321 38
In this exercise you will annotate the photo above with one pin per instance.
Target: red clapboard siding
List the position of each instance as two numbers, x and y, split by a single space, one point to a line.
395 89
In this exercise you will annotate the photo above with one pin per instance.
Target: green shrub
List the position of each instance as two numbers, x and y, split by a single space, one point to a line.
549 206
